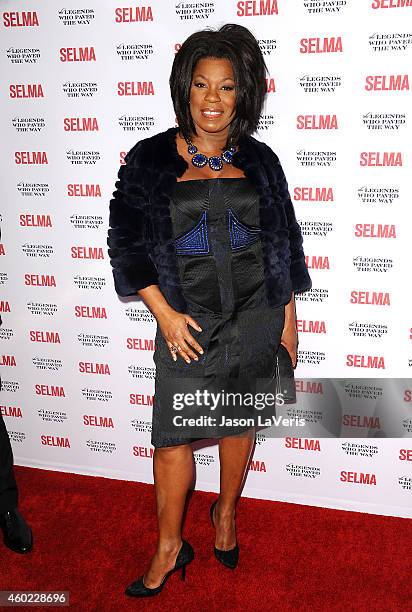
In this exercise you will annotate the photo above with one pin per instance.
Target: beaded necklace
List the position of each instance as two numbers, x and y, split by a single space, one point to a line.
199 160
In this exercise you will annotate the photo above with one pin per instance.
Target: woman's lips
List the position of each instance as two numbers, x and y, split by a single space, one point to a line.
211 114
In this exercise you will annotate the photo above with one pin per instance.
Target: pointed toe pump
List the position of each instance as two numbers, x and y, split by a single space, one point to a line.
184 557
229 558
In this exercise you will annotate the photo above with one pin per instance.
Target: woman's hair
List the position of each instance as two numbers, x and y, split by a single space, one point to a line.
237 44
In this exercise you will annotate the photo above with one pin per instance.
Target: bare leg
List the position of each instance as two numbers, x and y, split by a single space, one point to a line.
173 474
234 454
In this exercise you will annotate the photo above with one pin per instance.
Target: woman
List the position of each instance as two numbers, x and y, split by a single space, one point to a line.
204 231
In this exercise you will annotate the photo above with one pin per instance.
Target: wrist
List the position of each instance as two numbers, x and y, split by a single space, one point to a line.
161 310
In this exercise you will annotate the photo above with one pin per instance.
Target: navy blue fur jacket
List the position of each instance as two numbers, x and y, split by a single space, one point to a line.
140 238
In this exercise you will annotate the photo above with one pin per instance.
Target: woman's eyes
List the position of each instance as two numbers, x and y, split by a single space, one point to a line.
225 87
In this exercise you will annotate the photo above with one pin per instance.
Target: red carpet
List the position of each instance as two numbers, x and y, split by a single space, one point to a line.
92 536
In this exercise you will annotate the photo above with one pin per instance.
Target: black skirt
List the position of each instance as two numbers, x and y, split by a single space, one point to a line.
217 239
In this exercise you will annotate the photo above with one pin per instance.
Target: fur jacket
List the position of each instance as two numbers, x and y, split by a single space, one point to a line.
140 237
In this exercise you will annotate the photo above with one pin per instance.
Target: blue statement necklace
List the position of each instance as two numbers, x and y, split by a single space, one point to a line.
215 161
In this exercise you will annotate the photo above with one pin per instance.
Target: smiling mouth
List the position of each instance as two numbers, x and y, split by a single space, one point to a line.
211 114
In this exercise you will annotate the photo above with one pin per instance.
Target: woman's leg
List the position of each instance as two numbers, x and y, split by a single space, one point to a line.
173 475
234 454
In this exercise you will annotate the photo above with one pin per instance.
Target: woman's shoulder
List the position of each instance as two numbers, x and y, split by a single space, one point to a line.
143 150
269 158
264 149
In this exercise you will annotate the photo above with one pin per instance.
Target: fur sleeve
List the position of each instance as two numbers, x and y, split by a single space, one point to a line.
130 228
301 281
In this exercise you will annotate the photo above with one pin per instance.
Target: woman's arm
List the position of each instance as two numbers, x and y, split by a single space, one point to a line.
129 252
290 335
129 233
299 275
290 314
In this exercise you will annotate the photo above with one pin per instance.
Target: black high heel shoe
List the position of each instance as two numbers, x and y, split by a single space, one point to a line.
230 557
184 556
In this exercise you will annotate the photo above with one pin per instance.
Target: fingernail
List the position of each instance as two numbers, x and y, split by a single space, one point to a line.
200 329
196 358
201 352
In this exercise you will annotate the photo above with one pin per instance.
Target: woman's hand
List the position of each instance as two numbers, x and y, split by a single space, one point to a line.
290 341
173 326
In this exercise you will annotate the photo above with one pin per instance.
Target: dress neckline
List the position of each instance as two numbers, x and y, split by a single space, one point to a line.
217 178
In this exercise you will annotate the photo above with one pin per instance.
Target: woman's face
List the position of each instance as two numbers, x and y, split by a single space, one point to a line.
212 95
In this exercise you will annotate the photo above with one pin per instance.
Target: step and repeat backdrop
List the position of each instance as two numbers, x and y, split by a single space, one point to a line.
81 83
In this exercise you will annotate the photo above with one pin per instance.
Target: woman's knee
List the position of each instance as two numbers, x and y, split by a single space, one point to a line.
170 452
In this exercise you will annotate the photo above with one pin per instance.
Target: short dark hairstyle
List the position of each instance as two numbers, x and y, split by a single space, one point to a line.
237 44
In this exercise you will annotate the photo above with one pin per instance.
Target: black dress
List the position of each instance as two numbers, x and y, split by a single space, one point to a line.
216 234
